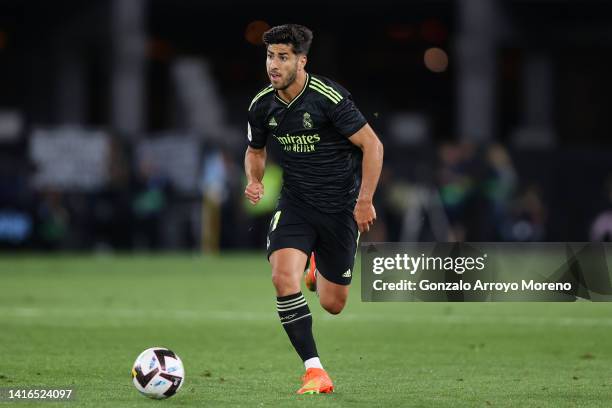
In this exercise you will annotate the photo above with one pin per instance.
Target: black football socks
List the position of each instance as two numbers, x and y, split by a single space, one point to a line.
297 321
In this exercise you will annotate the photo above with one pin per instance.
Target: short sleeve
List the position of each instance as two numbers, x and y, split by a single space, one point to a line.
346 118
256 134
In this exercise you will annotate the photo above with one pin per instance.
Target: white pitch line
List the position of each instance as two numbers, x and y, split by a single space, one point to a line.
31 315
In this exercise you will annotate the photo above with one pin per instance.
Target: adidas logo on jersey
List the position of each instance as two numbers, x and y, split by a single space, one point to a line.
272 122
347 274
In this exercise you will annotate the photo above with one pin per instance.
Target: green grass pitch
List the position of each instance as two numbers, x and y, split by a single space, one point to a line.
80 321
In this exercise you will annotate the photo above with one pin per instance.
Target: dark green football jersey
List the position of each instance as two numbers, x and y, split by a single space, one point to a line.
321 167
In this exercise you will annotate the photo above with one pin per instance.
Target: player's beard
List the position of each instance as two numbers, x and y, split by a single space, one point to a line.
290 79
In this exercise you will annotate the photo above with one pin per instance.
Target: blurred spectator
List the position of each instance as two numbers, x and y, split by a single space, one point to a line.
54 220
112 207
527 218
412 211
456 183
219 177
476 184
151 192
499 188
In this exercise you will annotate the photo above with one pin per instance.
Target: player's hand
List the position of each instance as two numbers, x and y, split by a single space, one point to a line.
364 214
254 192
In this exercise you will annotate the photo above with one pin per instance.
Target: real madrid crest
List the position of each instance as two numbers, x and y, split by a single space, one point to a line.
307 121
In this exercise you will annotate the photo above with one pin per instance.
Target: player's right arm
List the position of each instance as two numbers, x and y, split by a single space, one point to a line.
254 166
255 156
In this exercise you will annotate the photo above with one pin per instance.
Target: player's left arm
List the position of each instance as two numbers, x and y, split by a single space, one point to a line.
371 166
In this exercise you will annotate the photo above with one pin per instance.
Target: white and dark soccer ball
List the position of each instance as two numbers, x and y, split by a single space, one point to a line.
158 373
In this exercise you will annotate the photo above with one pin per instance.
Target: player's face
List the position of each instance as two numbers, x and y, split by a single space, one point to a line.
282 65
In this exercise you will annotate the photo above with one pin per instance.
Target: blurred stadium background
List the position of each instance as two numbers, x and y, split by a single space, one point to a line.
122 123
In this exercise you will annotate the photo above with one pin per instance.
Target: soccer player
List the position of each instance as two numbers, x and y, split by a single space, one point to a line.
331 161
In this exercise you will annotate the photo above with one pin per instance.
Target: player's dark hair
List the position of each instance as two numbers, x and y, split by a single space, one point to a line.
298 36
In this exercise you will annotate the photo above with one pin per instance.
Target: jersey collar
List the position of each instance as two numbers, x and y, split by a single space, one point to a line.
287 105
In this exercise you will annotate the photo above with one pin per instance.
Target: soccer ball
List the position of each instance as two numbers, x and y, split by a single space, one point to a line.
158 373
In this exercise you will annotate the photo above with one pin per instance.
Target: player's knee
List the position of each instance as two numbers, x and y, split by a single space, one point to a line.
333 306
283 281
278 279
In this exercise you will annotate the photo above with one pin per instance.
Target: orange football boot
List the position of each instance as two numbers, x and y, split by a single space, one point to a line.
316 381
310 279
